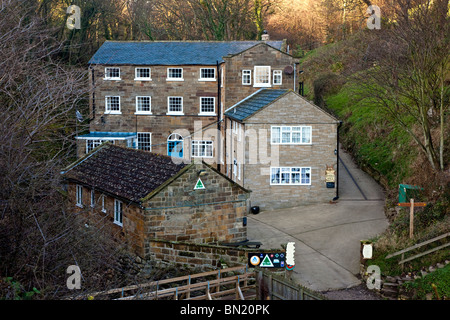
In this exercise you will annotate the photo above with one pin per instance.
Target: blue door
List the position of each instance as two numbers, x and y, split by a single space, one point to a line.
175 146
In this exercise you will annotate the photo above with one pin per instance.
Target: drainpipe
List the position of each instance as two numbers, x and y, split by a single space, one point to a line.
219 113
337 161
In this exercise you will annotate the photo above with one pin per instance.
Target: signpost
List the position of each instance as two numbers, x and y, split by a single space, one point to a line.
411 204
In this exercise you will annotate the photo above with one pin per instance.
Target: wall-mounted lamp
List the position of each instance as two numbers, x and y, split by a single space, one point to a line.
201 172
335 151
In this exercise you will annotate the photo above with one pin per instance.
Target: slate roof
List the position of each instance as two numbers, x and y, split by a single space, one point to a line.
171 52
127 173
253 103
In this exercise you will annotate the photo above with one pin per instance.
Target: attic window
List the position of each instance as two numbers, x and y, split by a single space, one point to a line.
262 76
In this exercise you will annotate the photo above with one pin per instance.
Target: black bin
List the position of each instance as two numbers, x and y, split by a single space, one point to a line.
254 209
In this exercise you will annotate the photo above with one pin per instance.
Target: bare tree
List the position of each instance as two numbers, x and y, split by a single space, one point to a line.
412 59
39 238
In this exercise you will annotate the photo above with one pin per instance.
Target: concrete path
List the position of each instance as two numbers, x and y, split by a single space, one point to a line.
327 236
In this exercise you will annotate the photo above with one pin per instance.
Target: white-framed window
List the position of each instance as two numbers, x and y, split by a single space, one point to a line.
92 198
246 77
175 105
143 74
207 105
143 105
202 149
118 212
207 74
144 141
103 203
174 74
290 176
277 77
261 76
112 104
79 196
91 144
291 134
112 73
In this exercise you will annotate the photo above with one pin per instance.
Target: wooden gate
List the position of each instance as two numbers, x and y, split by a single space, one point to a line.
270 286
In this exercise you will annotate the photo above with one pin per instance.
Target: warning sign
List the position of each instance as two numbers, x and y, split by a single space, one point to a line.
267 260
199 185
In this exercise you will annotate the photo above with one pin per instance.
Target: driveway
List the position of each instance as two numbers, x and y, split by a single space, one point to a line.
327 236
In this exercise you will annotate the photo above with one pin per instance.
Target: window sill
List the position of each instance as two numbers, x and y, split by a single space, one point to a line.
143 113
175 113
174 79
208 114
118 224
104 210
112 79
209 157
290 184
206 80
292 144
262 86
142 79
79 205
113 112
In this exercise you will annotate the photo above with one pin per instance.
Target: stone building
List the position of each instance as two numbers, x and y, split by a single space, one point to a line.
162 96
144 197
279 145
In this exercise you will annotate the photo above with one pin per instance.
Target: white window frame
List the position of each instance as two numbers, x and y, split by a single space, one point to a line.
289 171
118 212
207 79
108 107
213 113
246 73
291 130
277 74
92 198
256 75
174 112
149 135
235 168
79 196
137 78
95 143
111 78
137 105
202 145
103 204
174 79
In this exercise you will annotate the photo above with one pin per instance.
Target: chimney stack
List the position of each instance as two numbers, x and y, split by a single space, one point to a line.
265 36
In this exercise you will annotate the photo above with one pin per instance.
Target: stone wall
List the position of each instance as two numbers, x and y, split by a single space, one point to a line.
260 154
180 213
158 123
259 55
202 256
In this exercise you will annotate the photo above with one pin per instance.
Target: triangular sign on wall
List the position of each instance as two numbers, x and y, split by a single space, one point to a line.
199 185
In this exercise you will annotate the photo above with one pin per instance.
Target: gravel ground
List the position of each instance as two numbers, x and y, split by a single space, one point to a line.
359 292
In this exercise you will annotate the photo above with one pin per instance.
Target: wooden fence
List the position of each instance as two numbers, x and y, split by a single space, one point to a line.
417 246
235 286
270 286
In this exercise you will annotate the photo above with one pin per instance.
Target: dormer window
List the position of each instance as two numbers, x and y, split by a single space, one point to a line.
112 73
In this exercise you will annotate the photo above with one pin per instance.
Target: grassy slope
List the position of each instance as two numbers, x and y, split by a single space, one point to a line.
383 149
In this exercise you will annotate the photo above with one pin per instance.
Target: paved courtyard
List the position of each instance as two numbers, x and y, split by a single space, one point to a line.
327 236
